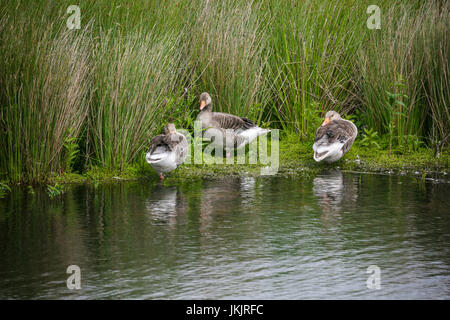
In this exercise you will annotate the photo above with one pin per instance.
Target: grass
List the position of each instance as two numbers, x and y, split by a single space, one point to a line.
85 102
312 60
136 78
45 75
228 48
295 159
403 62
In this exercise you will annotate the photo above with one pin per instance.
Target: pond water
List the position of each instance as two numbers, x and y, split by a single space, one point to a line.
231 238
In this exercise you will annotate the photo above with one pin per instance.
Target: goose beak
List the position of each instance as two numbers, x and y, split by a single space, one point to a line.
325 122
202 104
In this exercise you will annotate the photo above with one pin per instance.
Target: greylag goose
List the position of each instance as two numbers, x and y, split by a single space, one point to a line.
236 131
167 151
333 138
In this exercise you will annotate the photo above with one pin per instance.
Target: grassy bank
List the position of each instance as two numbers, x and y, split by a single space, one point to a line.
85 103
295 158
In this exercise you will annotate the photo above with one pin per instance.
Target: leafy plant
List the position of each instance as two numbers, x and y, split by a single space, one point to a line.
356 118
55 190
396 108
4 189
30 190
370 139
313 118
413 142
71 150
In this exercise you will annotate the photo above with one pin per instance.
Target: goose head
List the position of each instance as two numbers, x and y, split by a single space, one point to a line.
169 129
330 116
205 101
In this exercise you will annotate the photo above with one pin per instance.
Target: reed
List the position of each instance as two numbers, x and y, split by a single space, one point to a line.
311 67
135 77
228 46
434 41
405 60
45 80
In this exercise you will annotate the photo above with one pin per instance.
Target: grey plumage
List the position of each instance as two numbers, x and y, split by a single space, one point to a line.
333 138
224 120
338 130
167 151
235 131
221 120
166 142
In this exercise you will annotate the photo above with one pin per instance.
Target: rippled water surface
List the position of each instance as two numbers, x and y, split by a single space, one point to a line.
233 238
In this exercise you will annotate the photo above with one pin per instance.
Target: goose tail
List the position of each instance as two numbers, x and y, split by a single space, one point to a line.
154 158
329 153
252 133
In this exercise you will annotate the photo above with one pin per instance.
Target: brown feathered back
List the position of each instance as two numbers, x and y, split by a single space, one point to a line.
168 141
338 130
229 121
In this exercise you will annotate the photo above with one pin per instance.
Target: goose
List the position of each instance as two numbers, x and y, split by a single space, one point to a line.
167 151
236 131
333 138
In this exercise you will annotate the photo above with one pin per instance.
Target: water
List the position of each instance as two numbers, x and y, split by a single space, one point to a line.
233 238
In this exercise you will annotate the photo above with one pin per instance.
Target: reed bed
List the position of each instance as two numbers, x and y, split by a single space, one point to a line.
228 47
136 77
314 44
101 92
409 58
45 81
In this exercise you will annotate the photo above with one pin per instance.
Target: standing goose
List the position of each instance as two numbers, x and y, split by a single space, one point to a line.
167 151
333 138
236 131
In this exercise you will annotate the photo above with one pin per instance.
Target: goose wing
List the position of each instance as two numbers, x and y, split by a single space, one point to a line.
181 148
158 141
166 141
229 121
225 138
342 131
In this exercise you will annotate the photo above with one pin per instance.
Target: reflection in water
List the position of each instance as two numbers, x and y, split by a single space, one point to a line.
334 192
165 203
240 238
219 196
247 190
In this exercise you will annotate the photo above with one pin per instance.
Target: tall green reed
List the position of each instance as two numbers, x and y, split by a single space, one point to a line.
412 45
136 76
45 77
228 48
311 67
434 41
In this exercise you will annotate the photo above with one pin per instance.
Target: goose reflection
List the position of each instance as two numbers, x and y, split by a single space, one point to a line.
248 190
165 204
220 196
334 192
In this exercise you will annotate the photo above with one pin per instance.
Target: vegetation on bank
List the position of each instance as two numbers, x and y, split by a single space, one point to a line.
295 158
83 104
